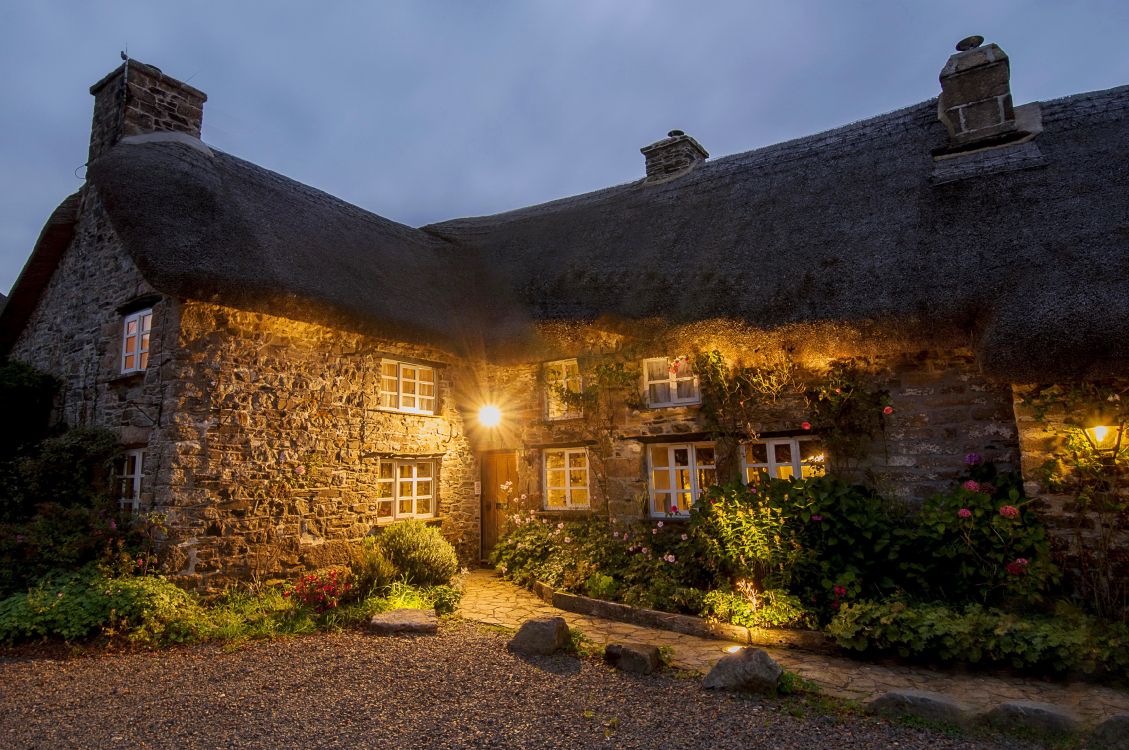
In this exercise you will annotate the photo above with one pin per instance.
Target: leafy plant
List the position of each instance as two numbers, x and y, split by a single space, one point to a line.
419 553
847 410
372 570
321 590
767 609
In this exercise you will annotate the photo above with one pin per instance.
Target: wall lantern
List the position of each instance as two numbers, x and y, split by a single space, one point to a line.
1104 432
489 416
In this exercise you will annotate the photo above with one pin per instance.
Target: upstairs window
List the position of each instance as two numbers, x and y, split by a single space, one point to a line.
679 474
669 382
405 489
129 480
407 387
562 376
135 340
566 478
782 458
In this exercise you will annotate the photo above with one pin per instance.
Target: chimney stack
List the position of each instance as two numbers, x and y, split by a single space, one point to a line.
138 98
672 156
975 102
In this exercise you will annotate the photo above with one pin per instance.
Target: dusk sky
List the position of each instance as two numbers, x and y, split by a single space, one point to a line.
422 111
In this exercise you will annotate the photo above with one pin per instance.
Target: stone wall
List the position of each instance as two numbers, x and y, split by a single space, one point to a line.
943 410
275 445
75 334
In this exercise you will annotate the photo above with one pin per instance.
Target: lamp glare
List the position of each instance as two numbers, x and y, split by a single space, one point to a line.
489 416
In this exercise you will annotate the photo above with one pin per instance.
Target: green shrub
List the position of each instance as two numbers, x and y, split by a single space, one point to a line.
372 571
601 586
26 397
741 536
146 609
768 609
1065 642
419 553
72 469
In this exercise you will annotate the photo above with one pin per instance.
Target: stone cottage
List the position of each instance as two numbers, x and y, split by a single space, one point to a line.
288 372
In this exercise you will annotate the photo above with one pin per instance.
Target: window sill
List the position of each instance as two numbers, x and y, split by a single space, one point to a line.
128 378
424 414
563 512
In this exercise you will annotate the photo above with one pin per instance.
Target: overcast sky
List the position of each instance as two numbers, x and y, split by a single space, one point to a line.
422 111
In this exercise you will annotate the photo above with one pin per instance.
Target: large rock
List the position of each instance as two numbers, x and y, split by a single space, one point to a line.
540 636
1031 716
639 658
920 703
748 669
1111 734
414 621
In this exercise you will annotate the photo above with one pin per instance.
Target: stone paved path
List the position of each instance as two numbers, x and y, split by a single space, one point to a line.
489 599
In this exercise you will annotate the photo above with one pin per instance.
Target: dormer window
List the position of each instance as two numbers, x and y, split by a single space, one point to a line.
669 382
561 379
136 327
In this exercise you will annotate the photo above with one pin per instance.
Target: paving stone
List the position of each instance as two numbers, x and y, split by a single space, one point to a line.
748 669
1031 716
638 658
1111 734
414 621
919 703
540 636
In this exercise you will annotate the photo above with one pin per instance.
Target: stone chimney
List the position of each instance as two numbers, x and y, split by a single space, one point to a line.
975 102
138 98
672 156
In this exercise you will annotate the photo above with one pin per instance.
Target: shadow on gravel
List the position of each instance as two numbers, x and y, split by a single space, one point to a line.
556 664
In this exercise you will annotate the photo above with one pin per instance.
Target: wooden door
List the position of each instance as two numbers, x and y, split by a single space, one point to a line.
498 467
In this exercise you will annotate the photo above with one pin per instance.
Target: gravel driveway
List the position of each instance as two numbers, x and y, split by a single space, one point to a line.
460 689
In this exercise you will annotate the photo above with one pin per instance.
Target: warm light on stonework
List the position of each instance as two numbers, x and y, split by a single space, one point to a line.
1105 439
489 416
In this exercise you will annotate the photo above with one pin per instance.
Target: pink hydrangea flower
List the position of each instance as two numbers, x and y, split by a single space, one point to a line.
1009 511
964 513
971 485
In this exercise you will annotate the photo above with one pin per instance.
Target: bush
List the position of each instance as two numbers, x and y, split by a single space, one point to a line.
372 571
146 609
1066 642
26 396
419 553
322 590
769 609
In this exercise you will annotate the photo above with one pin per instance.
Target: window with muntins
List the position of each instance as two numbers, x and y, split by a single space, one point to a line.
136 328
405 489
679 473
561 375
566 478
669 382
407 387
782 458
129 480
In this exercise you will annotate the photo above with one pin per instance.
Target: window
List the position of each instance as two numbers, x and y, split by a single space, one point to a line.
405 489
561 375
129 480
782 458
135 340
407 387
566 479
669 382
679 473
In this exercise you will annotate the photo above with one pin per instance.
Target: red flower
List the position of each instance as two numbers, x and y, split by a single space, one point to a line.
1009 511
888 410
805 425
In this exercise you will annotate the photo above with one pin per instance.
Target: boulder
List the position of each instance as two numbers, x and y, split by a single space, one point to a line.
749 669
1111 734
540 636
919 703
1042 718
414 621
638 658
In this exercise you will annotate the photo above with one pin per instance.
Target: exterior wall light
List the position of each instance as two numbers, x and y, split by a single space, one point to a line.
1104 432
489 416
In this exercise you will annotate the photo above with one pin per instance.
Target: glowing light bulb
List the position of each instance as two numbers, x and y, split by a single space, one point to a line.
489 416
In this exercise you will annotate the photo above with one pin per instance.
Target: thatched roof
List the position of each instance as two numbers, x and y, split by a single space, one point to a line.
1025 248
1022 250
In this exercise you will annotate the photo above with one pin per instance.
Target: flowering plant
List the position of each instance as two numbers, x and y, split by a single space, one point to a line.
321 590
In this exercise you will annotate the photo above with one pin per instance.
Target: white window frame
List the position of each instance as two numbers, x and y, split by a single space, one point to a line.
671 380
570 488
555 408
392 387
390 489
772 466
129 482
143 326
694 468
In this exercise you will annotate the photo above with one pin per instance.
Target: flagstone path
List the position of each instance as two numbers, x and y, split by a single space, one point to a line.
489 599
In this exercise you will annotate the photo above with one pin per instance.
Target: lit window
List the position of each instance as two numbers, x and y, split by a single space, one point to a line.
782 458
407 387
135 340
563 375
669 382
566 479
129 480
679 474
405 489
